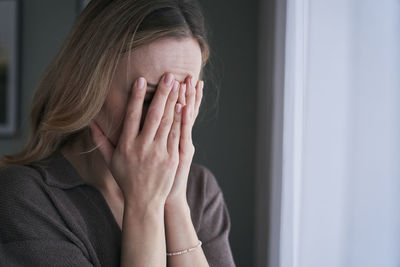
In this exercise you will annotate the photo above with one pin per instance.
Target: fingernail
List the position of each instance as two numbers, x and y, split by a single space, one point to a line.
176 86
140 83
168 79
178 108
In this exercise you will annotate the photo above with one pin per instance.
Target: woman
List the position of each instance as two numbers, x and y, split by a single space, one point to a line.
106 177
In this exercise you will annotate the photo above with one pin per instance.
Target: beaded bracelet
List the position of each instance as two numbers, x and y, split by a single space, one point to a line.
184 251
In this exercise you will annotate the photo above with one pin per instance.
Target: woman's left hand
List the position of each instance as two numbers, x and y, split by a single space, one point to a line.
191 100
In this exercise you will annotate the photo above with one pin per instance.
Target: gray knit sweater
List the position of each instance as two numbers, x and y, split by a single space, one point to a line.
49 216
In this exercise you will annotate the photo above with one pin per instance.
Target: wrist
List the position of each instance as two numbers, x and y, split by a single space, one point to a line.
143 235
176 205
180 231
153 209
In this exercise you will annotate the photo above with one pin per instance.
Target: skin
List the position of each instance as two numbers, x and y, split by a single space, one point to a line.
145 151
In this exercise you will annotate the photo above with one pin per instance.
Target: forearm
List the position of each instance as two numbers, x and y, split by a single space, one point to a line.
143 236
180 235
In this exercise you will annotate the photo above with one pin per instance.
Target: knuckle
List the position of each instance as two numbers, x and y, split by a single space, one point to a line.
141 151
130 114
165 121
124 150
158 155
174 134
152 117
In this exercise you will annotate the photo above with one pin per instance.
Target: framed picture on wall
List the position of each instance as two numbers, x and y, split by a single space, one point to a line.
9 76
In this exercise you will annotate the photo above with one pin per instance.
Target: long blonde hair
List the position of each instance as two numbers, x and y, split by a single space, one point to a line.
75 85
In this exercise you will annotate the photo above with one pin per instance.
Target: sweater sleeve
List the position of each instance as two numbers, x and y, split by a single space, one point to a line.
213 224
32 232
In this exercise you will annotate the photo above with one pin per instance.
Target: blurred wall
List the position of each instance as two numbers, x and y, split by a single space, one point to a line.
44 26
224 137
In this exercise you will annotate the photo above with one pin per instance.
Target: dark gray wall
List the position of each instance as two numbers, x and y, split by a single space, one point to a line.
45 24
225 140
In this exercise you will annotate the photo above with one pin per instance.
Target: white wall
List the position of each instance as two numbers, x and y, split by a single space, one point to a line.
341 172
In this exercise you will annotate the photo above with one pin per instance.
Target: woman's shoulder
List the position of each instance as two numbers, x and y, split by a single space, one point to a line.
209 215
17 177
52 173
203 190
21 185
202 181
30 221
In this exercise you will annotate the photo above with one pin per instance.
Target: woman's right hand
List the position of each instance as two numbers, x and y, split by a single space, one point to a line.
144 162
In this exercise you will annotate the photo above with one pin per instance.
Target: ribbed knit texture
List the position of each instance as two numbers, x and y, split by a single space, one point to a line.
49 216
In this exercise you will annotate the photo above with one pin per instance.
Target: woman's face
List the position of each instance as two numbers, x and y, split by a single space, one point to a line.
181 57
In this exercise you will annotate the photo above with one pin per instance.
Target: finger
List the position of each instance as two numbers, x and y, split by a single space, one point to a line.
168 117
190 95
101 141
174 134
156 108
186 128
199 97
134 111
182 94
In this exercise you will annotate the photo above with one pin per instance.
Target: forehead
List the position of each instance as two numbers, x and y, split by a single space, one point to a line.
182 57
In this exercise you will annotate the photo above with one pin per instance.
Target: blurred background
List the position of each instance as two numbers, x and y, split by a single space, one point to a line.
304 136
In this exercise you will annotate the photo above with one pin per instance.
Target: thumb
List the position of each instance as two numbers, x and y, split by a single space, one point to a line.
101 141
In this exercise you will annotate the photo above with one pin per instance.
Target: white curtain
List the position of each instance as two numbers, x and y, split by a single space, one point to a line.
340 202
